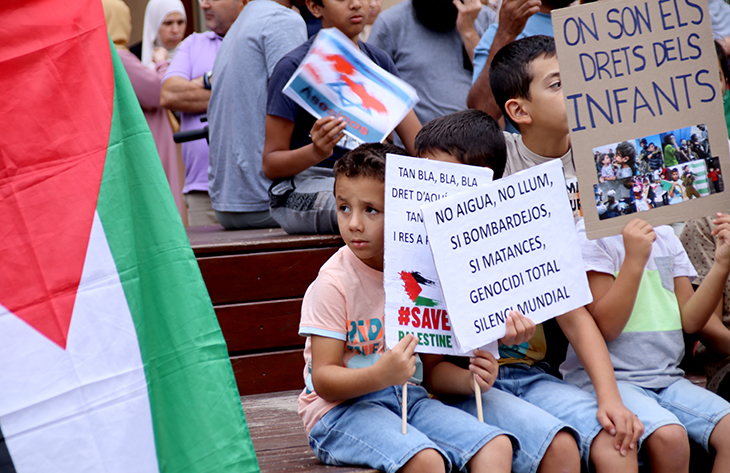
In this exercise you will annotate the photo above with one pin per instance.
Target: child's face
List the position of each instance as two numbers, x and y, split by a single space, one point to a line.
360 217
606 160
348 16
546 106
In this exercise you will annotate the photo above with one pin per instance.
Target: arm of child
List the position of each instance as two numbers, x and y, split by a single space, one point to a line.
281 161
714 335
334 382
407 130
444 377
581 331
613 299
697 307
512 18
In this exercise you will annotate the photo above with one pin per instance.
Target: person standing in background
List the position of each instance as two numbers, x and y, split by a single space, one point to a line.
186 88
164 28
146 85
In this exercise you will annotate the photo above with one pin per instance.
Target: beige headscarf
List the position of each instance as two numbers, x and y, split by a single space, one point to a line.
118 22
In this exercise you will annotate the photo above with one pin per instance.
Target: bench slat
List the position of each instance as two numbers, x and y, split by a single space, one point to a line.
261 325
215 240
269 372
261 276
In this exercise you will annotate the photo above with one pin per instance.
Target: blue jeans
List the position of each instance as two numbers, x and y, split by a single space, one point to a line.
683 403
366 431
305 203
566 405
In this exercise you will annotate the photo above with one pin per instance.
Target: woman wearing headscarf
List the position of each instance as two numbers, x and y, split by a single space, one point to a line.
164 28
146 84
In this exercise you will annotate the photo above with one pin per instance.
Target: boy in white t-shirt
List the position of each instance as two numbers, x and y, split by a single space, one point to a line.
642 301
351 405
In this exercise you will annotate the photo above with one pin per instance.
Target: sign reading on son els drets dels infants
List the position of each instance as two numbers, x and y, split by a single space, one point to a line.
643 97
510 245
413 299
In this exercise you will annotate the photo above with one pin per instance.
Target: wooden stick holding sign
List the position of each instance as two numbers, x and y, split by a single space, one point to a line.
478 395
508 245
404 409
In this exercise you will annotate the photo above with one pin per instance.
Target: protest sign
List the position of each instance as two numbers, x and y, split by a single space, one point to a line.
643 95
337 79
509 245
413 299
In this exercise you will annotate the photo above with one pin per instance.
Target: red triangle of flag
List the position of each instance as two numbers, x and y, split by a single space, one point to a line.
58 92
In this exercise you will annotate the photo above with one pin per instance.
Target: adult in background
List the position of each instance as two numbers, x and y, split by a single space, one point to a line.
186 89
517 19
432 45
263 33
146 85
164 28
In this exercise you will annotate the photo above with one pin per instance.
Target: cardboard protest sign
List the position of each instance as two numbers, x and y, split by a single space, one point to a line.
413 299
643 97
337 79
510 245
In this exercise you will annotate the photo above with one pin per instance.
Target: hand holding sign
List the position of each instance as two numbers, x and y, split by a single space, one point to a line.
518 329
638 237
326 133
507 246
398 364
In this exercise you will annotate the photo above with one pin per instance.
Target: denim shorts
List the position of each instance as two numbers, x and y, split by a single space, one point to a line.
683 403
366 431
566 405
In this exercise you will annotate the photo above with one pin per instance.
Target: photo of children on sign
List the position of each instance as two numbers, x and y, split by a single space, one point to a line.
649 172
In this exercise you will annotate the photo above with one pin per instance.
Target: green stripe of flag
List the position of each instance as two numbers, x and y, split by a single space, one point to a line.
198 420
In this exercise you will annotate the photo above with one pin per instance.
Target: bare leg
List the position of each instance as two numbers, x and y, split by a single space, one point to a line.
606 459
426 461
562 456
720 441
668 449
494 457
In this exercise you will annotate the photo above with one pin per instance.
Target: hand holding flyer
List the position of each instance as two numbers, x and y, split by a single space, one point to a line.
336 79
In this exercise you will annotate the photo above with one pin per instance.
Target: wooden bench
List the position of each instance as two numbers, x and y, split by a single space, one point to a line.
256 280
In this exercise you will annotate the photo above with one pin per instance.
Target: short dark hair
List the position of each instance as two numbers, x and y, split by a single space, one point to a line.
510 75
722 57
367 160
470 136
626 150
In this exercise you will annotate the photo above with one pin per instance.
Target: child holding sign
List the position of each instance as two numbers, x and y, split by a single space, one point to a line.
547 415
353 415
299 151
642 301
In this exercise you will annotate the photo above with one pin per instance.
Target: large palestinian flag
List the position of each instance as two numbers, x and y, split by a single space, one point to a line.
111 358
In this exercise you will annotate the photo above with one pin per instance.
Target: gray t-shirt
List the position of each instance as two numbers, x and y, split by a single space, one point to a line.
432 62
263 33
651 345
519 157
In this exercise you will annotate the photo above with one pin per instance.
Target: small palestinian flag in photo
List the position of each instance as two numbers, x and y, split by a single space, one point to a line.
421 291
111 357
